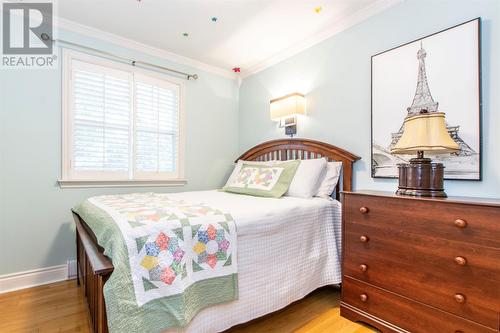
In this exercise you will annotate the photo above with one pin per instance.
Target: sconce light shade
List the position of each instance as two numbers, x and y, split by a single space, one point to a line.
288 106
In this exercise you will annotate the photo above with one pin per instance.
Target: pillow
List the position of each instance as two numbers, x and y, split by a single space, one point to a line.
264 180
306 181
329 180
238 165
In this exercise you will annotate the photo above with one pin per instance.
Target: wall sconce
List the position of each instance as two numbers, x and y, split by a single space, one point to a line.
285 110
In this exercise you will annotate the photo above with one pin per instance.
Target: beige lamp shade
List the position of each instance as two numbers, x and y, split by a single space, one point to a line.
288 106
425 132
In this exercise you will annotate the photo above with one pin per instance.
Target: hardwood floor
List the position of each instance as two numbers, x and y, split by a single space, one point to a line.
59 307
318 312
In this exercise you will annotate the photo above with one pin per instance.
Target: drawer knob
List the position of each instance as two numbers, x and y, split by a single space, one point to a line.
459 331
363 297
364 210
363 268
459 223
459 298
461 261
364 239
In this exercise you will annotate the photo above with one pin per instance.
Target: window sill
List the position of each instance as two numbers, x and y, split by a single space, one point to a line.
120 183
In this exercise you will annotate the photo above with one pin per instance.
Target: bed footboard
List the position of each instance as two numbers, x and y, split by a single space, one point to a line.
94 269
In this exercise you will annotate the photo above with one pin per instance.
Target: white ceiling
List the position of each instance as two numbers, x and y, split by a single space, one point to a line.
247 34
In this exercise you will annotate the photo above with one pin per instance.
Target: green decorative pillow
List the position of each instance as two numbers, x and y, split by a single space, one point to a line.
264 181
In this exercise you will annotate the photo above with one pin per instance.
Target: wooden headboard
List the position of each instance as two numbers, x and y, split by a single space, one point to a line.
303 149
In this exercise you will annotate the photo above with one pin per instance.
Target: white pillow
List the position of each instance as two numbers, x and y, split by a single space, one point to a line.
238 165
306 180
329 180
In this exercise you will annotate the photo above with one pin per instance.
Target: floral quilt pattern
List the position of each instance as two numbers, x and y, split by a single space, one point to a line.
257 177
211 247
164 259
171 244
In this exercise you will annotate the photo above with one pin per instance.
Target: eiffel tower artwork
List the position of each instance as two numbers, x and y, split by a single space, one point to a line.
460 165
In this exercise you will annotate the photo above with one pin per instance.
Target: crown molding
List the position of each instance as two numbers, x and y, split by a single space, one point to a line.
141 47
128 43
334 29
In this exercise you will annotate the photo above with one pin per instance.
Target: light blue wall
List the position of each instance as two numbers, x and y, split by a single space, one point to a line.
335 75
36 228
35 223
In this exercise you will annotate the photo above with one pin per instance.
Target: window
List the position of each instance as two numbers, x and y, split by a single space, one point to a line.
121 125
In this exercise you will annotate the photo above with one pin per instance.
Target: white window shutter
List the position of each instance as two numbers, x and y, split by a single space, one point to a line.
101 119
120 124
156 127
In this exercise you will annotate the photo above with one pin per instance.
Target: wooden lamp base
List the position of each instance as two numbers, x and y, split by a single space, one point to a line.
421 178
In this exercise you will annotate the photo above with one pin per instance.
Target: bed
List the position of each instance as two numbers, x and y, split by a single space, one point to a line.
301 236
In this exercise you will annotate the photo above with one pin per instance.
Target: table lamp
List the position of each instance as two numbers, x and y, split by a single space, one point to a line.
424 132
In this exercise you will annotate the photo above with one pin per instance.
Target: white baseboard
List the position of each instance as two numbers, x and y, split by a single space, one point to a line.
37 277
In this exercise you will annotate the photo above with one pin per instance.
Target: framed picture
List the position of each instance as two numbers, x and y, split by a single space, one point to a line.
437 73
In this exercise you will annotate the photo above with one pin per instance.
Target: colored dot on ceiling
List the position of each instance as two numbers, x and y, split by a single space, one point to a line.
236 69
214 19
318 10
185 34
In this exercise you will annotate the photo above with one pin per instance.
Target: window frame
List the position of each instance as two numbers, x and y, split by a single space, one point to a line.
72 178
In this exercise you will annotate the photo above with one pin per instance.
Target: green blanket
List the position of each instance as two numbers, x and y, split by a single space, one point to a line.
171 259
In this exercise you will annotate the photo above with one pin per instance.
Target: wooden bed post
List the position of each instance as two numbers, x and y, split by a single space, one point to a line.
93 270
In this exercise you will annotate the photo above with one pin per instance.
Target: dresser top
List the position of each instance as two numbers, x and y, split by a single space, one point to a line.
461 200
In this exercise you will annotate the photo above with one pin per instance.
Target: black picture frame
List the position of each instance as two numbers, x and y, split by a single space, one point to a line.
479 176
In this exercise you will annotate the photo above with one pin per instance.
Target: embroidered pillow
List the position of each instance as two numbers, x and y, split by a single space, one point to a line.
239 164
262 180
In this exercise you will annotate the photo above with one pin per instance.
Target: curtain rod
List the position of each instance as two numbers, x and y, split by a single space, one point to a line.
126 60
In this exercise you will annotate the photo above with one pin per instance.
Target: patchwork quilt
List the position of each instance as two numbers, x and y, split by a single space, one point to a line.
172 258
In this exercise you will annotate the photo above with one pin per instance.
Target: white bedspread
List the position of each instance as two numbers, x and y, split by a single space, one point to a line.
287 248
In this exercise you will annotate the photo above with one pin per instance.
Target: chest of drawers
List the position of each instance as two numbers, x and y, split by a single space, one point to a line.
421 265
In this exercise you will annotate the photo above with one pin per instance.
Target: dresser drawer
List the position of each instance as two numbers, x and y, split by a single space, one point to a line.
460 222
426 269
403 312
